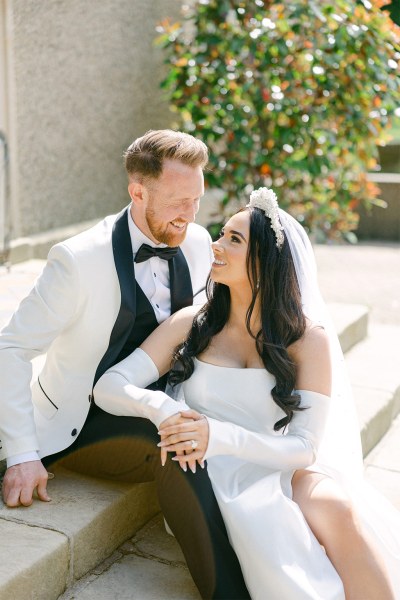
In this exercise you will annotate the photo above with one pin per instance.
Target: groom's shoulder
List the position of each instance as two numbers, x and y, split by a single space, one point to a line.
98 234
196 234
196 248
89 248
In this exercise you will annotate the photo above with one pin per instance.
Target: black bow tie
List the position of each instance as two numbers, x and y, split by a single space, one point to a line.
145 252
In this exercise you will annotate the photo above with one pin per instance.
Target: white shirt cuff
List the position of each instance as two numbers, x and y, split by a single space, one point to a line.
21 458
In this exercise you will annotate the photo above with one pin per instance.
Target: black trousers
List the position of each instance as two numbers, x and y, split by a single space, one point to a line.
125 449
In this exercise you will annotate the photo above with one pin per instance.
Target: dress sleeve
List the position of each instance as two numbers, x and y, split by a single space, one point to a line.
121 390
295 450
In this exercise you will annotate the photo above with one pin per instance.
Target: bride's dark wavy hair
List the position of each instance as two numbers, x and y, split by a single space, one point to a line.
273 279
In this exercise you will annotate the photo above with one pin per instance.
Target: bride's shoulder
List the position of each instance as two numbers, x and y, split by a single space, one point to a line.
185 315
312 359
314 341
160 344
179 324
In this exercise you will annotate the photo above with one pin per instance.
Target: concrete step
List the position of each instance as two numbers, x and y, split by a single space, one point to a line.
351 323
88 519
383 464
150 566
375 378
46 547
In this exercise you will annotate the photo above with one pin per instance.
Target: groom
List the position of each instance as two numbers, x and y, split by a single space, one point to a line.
100 295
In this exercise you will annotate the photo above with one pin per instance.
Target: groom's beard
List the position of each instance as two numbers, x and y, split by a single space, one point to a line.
165 233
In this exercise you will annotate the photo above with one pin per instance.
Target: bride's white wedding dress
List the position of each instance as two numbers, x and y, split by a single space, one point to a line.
251 476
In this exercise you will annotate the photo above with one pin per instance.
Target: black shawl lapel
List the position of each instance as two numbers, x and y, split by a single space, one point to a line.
180 282
123 258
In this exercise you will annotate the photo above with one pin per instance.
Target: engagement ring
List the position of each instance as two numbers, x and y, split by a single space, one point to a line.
194 444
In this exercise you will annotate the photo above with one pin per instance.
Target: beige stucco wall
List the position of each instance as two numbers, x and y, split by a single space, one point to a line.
83 82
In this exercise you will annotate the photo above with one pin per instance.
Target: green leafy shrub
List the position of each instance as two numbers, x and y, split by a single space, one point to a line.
292 95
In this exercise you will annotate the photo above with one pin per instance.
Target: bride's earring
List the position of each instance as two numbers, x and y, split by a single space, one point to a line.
258 284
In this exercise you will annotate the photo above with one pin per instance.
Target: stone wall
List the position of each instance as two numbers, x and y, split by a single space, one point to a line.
83 83
382 223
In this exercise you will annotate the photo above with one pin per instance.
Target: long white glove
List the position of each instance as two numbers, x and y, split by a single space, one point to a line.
120 391
295 450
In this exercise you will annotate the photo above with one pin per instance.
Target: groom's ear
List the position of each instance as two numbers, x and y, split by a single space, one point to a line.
137 192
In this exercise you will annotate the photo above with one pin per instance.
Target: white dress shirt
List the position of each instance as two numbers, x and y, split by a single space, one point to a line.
152 275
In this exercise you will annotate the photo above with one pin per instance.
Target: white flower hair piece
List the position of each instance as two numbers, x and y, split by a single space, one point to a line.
266 199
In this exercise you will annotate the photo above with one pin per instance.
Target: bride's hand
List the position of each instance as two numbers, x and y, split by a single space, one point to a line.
189 436
175 420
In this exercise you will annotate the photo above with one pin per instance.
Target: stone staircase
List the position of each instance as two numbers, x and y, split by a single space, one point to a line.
60 549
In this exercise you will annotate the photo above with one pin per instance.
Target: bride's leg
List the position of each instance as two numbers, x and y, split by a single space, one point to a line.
335 524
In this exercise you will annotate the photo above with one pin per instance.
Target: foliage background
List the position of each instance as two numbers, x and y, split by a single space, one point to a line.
393 8
292 95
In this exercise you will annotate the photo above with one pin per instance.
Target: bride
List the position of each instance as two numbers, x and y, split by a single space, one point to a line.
264 400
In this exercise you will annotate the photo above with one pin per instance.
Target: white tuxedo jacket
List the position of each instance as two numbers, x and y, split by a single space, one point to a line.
69 314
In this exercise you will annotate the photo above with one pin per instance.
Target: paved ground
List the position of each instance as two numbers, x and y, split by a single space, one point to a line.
15 283
367 273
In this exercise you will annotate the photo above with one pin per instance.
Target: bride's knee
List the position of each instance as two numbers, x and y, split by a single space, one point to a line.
341 514
325 504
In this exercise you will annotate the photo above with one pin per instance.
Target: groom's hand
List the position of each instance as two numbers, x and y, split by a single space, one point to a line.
21 480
